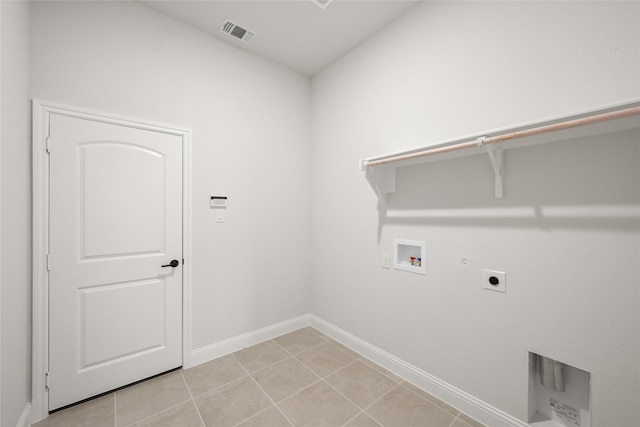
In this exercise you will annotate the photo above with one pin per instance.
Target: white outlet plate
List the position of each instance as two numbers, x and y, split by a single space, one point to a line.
499 276
219 215
386 261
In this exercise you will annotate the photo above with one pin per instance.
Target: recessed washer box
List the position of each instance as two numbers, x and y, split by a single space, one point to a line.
410 255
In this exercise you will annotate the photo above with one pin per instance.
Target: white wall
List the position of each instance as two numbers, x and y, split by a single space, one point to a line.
15 267
251 140
567 232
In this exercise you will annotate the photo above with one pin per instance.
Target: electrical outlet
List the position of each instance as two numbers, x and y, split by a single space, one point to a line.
386 261
494 280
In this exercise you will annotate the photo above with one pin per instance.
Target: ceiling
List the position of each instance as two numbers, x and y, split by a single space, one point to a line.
304 35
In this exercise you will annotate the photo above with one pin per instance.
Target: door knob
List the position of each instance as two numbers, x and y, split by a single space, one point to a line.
174 263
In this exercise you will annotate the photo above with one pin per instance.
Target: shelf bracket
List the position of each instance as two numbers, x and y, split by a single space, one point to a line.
496 157
382 180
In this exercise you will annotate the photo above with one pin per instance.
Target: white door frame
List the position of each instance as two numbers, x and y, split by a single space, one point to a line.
40 228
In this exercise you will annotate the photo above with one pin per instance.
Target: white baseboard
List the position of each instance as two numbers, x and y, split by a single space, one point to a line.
222 348
25 418
475 408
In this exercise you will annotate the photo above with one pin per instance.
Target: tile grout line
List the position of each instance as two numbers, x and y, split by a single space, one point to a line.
299 391
263 391
356 357
455 417
362 411
323 378
325 340
399 382
331 373
376 401
193 400
158 413
384 371
314 330
271 364
427 400
318 375
353 418
273 404
459 419
302 351
220 386
294 357
171 407
249 375
349 400
317 381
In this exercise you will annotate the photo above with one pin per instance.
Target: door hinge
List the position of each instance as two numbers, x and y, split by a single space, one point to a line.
47 381
48 144
48 262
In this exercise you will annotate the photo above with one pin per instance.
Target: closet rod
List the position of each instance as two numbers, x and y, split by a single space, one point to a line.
513 135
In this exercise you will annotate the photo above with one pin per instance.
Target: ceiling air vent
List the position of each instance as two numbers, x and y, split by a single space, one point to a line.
238 31
322 4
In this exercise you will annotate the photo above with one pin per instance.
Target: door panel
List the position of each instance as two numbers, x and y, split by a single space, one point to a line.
105 338
126 200
115 220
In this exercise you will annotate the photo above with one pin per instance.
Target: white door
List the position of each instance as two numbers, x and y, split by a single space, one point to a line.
115 303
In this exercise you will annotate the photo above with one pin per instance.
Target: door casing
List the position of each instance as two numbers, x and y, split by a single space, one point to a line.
41 111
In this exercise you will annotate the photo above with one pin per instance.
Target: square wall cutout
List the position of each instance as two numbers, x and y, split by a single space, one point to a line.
410 255
559 394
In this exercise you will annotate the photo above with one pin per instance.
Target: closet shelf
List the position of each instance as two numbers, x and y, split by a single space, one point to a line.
380 171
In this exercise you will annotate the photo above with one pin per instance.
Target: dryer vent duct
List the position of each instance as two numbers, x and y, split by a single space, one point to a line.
238 31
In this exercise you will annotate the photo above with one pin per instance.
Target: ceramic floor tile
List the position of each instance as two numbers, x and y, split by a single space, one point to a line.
318 406
472 423
362 420
213 374
220 393
284 378
402 408
272 417
317 332
325 359
361 384
232 403
150 397
98 412
439 403
344 348
382 370
261 355
299 340
459 423
184 415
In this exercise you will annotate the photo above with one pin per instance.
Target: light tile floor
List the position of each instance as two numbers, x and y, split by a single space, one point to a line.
300 379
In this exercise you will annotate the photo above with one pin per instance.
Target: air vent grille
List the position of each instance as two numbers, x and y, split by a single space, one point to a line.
322 4
238 31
